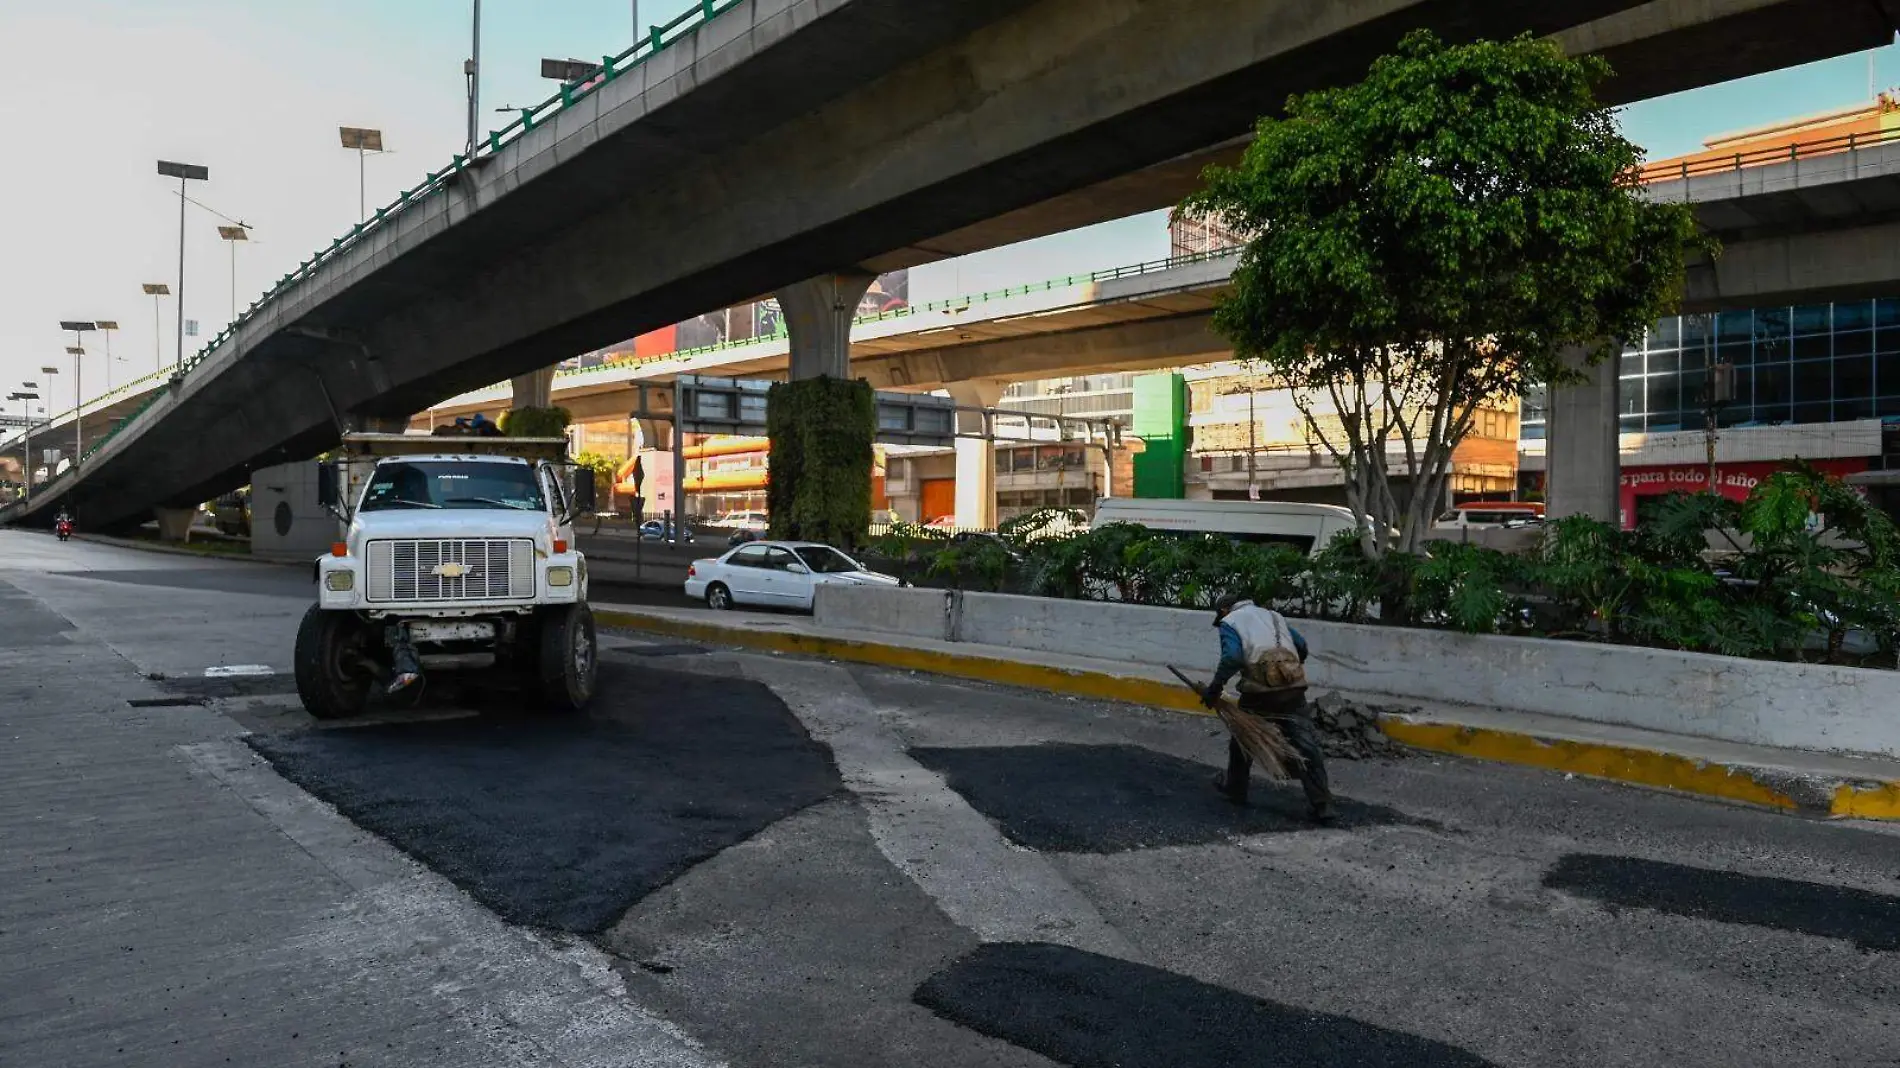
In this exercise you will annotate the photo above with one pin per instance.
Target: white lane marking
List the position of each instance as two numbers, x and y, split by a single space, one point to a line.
997 890
232 670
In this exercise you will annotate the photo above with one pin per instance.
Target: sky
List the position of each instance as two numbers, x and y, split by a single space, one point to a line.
94 92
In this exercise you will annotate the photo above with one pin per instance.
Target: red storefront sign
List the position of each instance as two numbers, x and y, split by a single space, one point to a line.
1733 481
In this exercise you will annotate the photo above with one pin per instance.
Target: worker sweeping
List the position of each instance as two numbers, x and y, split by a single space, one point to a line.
1269 656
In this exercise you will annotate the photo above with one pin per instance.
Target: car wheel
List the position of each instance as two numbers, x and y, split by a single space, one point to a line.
568 659
718 597
329 681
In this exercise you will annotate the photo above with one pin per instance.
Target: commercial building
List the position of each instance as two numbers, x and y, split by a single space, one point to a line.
1812 382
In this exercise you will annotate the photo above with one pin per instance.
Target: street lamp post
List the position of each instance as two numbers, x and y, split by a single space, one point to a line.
364 141
106 327
29 393
77 353
157 291
473 71
232 235
184 172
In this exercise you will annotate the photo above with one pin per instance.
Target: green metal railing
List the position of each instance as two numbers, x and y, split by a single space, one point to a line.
657 40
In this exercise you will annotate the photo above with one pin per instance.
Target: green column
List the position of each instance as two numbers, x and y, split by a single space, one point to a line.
1161 424
819 482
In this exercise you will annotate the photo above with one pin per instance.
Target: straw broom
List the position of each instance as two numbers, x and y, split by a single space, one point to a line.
1257 737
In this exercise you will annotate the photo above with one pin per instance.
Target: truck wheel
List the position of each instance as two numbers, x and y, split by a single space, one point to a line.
327 681
568 657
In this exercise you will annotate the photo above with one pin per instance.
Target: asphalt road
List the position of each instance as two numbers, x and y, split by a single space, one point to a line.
755 860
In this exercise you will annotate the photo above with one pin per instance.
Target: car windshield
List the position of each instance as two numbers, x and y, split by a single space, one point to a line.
453 484
825 561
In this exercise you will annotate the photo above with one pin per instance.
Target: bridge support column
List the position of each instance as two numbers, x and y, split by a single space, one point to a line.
174 524
818 314
534 389
821 423
976 457
1580 457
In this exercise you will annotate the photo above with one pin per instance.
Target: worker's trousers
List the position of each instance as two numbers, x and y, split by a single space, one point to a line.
1296 723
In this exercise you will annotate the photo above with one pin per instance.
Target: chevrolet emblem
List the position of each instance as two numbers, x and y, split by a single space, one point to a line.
450 570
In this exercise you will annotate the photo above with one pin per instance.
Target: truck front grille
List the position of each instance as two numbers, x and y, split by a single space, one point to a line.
478 569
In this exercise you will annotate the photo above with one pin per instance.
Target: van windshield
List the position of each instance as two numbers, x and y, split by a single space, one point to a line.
453 484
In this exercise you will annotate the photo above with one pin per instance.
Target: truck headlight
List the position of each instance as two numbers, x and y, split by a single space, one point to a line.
561 576
340 581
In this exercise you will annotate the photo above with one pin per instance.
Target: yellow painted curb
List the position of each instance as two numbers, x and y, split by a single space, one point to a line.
979 668
1876 802
1643 767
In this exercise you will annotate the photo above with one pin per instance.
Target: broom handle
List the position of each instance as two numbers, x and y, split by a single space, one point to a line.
1185 681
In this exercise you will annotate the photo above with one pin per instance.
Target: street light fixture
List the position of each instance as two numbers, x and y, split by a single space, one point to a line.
364 141
156 291
232 235
184 172
568 70
78 352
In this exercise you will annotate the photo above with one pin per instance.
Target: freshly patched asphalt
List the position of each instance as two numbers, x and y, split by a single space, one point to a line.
564 822
1091 1011
1111 798
1868 920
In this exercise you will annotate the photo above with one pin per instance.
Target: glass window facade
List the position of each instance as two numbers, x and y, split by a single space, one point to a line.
1806 363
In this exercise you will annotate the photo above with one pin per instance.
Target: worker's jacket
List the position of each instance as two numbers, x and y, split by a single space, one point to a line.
1248 636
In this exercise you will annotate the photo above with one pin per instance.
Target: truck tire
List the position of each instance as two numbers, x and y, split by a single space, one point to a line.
569 659
327 686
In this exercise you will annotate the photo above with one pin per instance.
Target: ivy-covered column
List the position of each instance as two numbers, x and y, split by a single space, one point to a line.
819 486
823 421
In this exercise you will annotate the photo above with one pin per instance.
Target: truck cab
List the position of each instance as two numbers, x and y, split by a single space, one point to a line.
454 553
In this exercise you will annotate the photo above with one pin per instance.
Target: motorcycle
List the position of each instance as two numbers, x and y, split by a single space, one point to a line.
64 528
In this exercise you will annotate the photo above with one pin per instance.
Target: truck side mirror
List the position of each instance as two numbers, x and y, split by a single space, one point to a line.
327 494
584 491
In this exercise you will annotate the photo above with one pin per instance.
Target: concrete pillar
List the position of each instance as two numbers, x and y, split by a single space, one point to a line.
1581 453
534 389
818 314
976 457
174 524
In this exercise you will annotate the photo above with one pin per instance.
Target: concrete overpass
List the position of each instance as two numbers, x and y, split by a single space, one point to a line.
876 133
1125 319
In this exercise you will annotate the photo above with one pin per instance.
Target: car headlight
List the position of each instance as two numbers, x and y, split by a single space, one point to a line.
340 581
561 576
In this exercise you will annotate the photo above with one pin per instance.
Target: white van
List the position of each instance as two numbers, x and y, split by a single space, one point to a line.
1306 527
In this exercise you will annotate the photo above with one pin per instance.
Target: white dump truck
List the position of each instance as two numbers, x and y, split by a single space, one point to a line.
455 553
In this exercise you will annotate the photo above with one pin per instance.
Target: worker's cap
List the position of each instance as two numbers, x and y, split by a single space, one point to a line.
1225 605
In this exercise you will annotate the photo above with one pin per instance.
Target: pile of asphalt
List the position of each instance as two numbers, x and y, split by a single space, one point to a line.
1063 797
1350 730
564 822
1090 1011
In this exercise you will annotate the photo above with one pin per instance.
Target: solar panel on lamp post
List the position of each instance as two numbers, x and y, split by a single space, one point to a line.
364 141
156 291
232 235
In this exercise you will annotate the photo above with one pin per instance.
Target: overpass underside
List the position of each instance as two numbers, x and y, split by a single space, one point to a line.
787 139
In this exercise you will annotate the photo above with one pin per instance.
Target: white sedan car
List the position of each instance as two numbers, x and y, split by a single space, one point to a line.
775 574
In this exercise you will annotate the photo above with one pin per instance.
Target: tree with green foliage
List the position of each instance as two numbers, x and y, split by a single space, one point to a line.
1431 240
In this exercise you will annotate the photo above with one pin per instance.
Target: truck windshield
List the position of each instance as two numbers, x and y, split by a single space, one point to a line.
453 484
